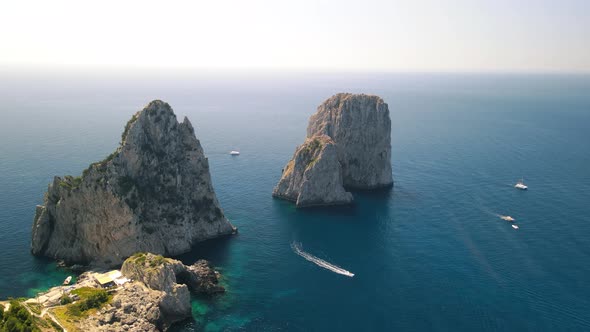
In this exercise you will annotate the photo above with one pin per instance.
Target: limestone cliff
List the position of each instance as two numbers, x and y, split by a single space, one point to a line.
360 126
154 193
348 145
158 296
313 176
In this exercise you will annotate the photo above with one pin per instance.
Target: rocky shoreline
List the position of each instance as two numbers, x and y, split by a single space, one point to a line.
151 294
158 296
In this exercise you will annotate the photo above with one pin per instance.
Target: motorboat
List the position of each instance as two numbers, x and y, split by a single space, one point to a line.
514 226
68 280
235 153
520 185
507 218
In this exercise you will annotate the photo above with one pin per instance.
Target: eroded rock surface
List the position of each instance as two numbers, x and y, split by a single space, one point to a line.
154 193
360 126
158 297
348 145
313 176
134 308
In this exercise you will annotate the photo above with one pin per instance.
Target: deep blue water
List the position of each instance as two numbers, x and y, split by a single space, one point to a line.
430 254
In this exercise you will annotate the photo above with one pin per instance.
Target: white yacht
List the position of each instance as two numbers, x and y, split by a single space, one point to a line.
520 185
514 226
235 153
68 280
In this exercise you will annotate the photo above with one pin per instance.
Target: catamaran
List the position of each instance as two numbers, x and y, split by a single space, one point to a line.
520 185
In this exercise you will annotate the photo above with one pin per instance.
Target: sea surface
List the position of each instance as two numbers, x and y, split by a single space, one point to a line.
431 254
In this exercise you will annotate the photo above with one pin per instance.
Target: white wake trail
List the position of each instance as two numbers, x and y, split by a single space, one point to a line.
318 261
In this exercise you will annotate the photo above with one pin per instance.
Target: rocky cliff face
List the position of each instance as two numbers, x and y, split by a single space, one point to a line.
154 193
134 308
313 176
360 126
348 145
158 297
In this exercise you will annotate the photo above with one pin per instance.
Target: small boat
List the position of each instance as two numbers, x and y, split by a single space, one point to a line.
235 153
520 185
68 280
507 218
514 226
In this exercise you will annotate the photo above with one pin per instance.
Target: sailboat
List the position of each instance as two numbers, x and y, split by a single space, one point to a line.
520 185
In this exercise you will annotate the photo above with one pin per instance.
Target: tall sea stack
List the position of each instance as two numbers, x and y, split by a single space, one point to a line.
154 194
358 126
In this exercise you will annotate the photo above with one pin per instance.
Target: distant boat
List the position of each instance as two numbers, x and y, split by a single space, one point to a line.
520 185
235 153
507 218
514 226
68 280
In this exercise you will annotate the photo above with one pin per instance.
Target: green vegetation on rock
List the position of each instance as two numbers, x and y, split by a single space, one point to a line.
128 126
90 298
65 300
70 182
141 258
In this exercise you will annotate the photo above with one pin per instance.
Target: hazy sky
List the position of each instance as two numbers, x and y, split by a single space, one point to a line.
435 35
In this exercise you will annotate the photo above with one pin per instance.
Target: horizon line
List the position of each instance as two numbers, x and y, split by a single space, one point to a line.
279 70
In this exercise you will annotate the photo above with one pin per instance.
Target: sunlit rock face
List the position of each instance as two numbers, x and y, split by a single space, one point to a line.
154 193
348 145
313 176
360 127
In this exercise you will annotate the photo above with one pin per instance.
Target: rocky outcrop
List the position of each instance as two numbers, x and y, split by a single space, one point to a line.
360 126
313 176
154 193
159 273
158 296
202 278
133 308
348 145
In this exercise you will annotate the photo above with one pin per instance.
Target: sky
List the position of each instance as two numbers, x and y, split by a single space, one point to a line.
382 35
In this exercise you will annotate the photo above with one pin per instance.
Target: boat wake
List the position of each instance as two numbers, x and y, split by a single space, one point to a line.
318 261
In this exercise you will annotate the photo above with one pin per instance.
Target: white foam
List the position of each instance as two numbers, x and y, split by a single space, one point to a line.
318 261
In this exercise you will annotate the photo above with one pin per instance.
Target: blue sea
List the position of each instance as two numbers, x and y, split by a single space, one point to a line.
431 254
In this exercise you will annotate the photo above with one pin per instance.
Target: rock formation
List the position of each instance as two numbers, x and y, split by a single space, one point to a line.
133 308
348 145
158 296
360 126
154 193
313 176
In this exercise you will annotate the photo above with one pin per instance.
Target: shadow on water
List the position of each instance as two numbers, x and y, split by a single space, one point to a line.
44 275
215 250
379 196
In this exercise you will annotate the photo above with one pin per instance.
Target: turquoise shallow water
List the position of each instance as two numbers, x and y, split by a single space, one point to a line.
430 254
